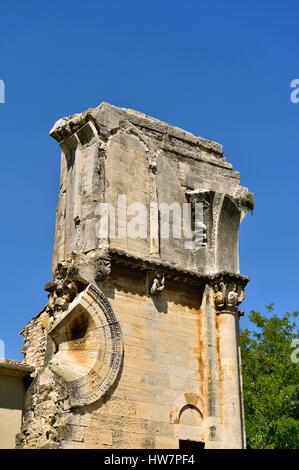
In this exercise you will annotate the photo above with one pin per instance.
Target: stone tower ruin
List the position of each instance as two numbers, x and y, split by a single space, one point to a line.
138 346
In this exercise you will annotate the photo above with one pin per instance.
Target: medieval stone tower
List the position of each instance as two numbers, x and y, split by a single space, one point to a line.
138 346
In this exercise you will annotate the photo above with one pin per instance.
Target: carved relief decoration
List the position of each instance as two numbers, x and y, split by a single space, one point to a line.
89 330
228 295
63 288
158 284
103 268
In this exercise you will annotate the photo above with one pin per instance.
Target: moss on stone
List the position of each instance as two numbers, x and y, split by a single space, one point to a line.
247 200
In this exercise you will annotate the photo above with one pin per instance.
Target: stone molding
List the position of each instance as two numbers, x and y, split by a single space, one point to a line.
98 116
174 272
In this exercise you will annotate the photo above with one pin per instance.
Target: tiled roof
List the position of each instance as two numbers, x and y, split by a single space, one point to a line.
13 367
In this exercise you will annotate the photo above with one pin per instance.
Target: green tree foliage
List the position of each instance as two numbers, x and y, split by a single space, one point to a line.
271 381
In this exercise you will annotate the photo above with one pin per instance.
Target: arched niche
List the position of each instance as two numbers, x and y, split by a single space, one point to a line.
227 236
187 418
187 407
190 415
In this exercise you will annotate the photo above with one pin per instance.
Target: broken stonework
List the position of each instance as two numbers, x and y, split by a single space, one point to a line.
138 346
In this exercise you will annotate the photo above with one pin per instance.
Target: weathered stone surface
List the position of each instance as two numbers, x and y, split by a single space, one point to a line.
138 345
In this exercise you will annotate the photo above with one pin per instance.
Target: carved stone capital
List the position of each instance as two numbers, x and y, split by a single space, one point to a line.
64 287
103 268
228 293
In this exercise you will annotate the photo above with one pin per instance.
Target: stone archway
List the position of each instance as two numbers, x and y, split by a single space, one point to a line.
227 236
89 347
187 417
184 402
86 360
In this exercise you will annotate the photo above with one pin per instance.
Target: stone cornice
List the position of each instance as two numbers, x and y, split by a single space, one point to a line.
107 119
175 272
69 125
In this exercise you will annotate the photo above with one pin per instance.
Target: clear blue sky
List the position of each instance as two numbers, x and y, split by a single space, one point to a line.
220 69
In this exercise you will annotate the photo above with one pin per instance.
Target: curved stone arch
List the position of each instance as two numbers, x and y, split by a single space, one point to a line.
89 347
227 235
184 401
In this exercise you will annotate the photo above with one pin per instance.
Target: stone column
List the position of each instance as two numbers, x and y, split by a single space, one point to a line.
210 371
228 295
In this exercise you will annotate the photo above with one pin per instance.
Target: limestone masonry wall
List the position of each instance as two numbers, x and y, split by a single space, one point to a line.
138 346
